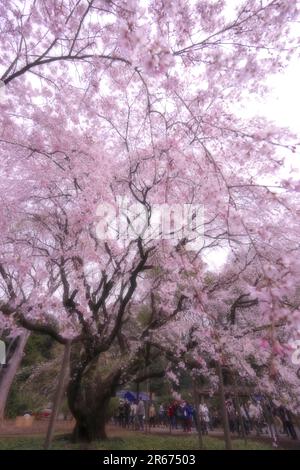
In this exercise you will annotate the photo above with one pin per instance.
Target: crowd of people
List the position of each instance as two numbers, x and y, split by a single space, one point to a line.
175 415
260 416
252 416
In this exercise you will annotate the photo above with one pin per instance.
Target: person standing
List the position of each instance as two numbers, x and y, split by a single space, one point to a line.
141 414
121 413
179 415
255 417
162 415
152 415
290 425
187 417
232 417
245 418
268 415
191 412
203 415
171 415
133 415
287 422
126 414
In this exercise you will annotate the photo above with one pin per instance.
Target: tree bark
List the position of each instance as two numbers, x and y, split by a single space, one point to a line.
7 374
88 398
91 422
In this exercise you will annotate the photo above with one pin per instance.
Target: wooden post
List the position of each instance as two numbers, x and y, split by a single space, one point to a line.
238 405
58 395
198 424
227 437
147 420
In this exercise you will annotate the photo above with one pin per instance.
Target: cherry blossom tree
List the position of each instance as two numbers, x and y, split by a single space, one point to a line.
103 100
234 328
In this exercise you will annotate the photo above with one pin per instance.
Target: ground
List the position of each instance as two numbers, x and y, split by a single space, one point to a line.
15 438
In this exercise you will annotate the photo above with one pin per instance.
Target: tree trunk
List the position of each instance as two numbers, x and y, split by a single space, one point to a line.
91 422
88 398
7 374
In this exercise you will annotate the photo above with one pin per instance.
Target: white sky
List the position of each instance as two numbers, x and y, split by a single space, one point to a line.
281 105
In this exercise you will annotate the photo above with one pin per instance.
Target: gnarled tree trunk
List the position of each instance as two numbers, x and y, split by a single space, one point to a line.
91 420
88 398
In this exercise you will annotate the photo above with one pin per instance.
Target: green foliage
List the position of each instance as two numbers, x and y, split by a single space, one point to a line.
64 408
159 386
20 402
27 394
144 315
39 348
112 407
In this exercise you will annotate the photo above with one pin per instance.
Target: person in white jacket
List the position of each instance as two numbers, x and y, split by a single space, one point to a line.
133 415
204 417
141 414
255 414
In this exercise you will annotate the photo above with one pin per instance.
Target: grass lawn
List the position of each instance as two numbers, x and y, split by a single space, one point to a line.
132 442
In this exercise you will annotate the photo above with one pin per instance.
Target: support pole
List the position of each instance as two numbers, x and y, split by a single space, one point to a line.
238 405
196 401
227 437
58 395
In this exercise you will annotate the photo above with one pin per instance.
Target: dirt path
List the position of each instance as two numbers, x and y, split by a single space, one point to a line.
39 427
10 429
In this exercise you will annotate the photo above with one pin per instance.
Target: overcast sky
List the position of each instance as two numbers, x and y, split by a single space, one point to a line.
282 105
